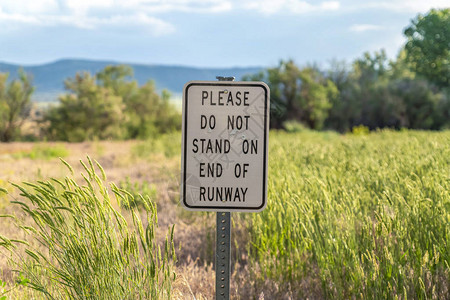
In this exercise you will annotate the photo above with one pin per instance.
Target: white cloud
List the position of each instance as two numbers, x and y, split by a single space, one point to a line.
290 6
28 6
19 18
365 27
409 5
81 7
79 14
155 26
92 14
193 6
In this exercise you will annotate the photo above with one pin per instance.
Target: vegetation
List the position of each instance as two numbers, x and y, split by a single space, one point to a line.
43 152
409 92
108 106
360 215
297 94
374 92
355 216
14 104
167 144
79 247
427 47
139 191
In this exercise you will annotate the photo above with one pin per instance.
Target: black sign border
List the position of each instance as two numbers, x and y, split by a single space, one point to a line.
266 111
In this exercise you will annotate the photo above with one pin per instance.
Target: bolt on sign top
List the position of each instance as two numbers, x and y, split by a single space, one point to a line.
225 146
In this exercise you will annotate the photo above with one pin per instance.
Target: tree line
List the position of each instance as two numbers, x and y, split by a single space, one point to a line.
107 105
412 91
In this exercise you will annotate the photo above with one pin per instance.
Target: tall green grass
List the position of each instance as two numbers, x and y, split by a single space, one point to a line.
169 144
137 190
77 246
356 216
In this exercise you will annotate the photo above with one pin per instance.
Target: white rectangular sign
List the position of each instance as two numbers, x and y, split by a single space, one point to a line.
225 146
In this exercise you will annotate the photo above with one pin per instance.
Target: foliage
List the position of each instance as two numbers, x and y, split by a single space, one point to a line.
297 94
360 130
20 281
3 291
377 93
421 104
150 114
44 152
412 91
14 104
372 92
167 144
294 126
109 106
116 78
427 46
90 112
355 217
87 249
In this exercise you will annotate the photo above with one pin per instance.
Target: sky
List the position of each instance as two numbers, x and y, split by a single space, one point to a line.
208 33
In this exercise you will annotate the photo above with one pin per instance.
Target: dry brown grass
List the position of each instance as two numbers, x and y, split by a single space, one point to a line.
194 231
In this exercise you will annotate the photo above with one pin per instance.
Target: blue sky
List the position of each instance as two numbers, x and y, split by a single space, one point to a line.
208 33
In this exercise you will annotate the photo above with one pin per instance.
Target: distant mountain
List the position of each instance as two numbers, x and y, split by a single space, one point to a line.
49 78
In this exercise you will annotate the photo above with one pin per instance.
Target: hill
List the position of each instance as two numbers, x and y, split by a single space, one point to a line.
49 78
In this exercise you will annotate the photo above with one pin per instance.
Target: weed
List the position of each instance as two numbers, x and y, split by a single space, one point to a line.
87 249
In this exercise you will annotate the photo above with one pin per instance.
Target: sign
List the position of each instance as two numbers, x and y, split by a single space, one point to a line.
225 146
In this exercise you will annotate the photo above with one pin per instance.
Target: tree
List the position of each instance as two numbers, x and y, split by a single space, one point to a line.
428 46
111 105
315 97
284 83
90 111
424 106
14 104
118 79
297 94
150 114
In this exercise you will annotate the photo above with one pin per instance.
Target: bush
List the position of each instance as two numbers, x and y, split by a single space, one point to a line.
110 105
169 144
360 130
43 152
87 249
294 126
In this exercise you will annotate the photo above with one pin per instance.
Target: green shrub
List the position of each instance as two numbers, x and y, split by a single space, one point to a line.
86 249
110 105
168 144
360 130
294 126
43 152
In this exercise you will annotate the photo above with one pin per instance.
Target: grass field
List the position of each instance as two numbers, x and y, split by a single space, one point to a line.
348 216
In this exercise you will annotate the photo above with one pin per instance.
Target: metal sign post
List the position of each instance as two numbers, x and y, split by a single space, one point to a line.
223 246
224 157
223 259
